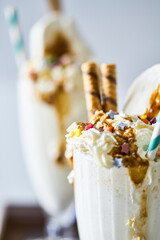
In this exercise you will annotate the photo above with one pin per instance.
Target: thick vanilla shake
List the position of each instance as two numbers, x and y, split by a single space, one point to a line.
50 98
117 188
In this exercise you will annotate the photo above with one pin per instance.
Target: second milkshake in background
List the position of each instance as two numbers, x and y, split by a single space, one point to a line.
51 96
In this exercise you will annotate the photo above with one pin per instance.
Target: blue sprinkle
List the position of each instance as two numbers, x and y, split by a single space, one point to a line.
111 114
118 162
121 126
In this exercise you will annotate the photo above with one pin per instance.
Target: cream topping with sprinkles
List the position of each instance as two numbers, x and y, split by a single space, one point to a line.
119 140
52 74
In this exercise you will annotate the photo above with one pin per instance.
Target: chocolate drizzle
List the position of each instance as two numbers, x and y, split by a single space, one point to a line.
109 87
110 78
91 87
94 94
109 99
92 74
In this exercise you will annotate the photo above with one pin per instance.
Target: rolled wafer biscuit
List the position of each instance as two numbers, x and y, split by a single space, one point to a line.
109 87
91 86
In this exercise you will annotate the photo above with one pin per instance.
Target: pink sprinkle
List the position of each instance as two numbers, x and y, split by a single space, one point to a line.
90 125
125 148
153 120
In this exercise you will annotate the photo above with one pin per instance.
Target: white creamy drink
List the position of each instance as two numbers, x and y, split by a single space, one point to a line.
117 187
50 98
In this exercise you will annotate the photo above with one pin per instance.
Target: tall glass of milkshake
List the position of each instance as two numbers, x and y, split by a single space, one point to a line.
49 90
117 187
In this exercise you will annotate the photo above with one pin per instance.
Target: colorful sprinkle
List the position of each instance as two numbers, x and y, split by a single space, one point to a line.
118 162
145 121
71 134
144 117
110 129
125 148
111 114
78 132
89 126
121 126
152 121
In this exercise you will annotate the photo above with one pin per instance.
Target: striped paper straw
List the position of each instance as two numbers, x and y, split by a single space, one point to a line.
15 34
155 140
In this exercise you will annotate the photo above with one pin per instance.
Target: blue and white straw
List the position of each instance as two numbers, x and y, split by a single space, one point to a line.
155 140
15 34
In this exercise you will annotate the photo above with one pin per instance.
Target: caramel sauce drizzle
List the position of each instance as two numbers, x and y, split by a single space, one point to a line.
137 167
154 104
60 100
58 45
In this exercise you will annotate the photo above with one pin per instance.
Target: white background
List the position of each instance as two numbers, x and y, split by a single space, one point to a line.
123 32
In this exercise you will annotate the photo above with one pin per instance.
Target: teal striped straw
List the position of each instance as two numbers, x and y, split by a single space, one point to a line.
155 140
15 34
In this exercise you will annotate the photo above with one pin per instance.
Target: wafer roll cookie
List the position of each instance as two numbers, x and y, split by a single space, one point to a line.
109 87
91 86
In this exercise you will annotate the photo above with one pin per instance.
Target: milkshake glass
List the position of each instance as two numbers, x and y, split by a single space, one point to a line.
117 188
49 90
43 127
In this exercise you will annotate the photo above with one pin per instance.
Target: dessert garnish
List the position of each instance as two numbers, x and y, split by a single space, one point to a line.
109 87
111 114
91 86
145 120
110 129
121 126
118 162
89 126
125 148
143 116
112 135
52 75
152 121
